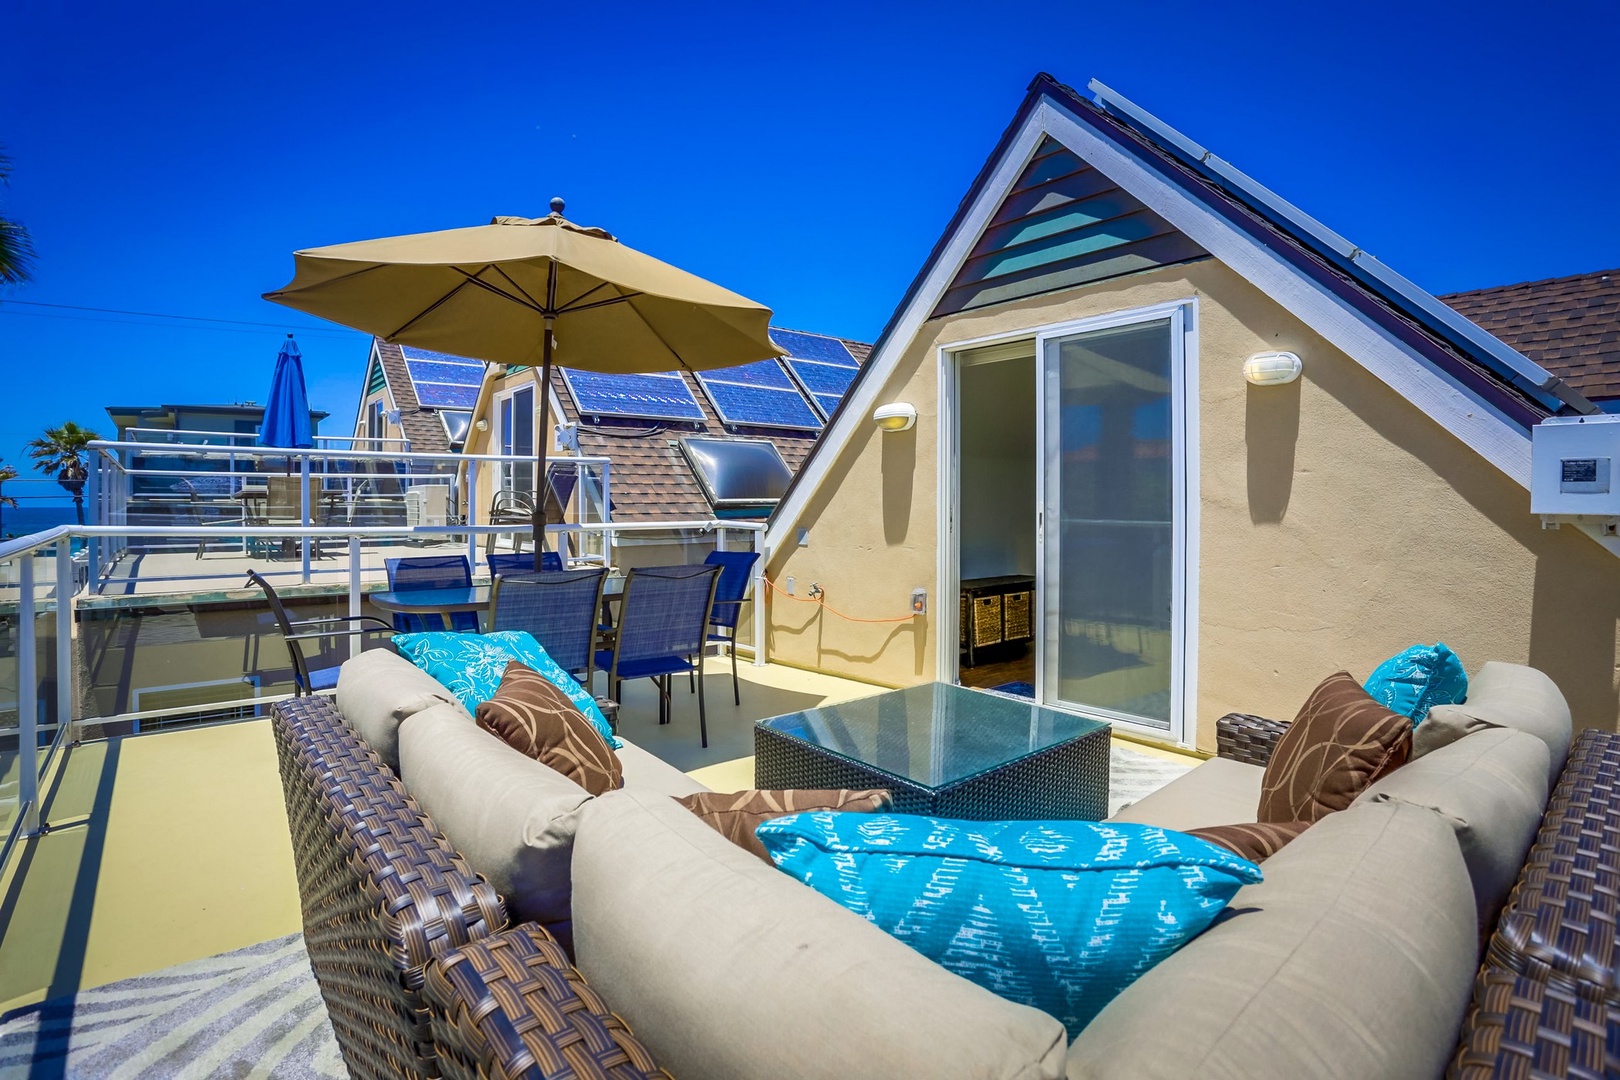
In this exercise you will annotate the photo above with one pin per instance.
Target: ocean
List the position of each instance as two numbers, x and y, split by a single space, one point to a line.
25 519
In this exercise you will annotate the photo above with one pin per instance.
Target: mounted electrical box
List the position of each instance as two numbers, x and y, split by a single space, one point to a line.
1573 466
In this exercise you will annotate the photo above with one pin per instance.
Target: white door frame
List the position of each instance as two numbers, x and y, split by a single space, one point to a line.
1185 464
503 469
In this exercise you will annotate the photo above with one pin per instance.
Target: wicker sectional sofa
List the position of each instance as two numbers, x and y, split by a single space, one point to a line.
1356 957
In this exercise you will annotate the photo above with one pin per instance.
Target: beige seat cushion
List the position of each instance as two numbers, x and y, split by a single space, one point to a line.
378 690
1491 788
1503 695
510 816
647 772
1352 960
730 970
1218 792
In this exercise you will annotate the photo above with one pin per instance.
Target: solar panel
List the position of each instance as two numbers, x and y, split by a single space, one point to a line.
435 371
446 396
823 366
759 373
801 346
824 378
761 406
661 396
826 403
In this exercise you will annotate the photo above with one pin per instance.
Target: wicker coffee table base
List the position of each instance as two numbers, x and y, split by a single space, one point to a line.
1068 781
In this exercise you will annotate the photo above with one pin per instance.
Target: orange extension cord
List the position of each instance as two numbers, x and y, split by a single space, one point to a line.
827 607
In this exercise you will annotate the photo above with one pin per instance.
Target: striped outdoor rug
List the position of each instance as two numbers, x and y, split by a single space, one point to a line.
249 1014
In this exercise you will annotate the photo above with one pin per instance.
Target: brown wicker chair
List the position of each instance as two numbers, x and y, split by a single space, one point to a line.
410 946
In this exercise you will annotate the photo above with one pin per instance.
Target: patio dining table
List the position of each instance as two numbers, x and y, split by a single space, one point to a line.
447 602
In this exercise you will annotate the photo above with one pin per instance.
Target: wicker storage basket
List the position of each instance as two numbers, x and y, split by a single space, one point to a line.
986 620
1015 616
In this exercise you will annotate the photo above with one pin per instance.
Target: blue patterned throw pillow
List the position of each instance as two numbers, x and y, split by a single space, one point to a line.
1416 680
471 665
1061 915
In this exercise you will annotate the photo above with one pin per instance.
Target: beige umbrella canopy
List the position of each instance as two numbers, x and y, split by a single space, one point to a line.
492 292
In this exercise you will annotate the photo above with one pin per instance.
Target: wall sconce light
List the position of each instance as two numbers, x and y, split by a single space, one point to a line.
482 424
1271 368
898 416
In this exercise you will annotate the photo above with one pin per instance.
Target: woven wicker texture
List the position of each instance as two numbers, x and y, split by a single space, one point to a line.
1242 737
382 892
1559 922
1526 1029
512 1007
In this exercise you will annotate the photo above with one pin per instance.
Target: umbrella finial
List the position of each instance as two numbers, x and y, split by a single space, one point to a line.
557 205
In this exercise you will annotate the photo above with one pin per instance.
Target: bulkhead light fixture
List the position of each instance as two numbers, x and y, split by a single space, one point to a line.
897 416
1271 368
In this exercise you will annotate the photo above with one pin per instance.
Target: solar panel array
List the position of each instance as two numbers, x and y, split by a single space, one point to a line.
660 396
758 395
822 365
443 381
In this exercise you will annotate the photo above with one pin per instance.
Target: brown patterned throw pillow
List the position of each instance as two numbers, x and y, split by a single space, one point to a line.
737 815
1256 842
1341 741
532 716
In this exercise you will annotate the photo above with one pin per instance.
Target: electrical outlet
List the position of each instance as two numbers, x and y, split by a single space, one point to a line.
790 586
919 601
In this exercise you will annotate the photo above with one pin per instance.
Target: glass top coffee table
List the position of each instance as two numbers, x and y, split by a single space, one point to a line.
945 751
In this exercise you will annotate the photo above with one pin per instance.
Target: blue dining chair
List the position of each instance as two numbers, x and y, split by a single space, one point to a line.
431 572
520 563
663 625
558 608
729 594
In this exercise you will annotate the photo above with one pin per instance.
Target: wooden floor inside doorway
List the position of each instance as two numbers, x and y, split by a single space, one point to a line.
997 667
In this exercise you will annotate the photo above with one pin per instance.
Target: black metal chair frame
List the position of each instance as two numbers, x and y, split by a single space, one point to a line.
510 508
294 631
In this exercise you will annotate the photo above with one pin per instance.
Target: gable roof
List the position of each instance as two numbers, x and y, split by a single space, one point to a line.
1568 325
422 427
1442 362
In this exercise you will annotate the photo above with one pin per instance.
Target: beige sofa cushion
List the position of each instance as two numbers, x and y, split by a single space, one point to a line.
1353 960
1491 788
378 690
730 970
1503 695
647 772
510 816
1218 792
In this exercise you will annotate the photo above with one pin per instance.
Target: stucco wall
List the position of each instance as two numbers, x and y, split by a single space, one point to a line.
1338 524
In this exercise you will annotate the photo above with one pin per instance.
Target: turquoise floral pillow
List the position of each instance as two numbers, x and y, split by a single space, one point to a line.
1416 680
1061 915
471 665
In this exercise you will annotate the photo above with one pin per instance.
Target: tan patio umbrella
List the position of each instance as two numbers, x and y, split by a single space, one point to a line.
522 291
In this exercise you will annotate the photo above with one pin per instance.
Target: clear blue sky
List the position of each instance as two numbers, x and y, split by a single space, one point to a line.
170 157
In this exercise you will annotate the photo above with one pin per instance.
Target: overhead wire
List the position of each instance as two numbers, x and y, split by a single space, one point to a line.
220 324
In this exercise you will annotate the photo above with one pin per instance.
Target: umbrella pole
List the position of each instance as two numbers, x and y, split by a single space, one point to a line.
542 443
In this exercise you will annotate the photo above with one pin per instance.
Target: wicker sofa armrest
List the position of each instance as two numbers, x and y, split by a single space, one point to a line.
1247 738
1523 1027
512 1006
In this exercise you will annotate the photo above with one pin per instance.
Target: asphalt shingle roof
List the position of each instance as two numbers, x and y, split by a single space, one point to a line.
423 428
1568 325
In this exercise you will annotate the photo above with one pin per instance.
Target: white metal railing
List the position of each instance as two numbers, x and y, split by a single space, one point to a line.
197 436
57 544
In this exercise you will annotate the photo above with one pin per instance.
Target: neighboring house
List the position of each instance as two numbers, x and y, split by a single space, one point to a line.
637 422
1568 325
237 424
1074 351
415 399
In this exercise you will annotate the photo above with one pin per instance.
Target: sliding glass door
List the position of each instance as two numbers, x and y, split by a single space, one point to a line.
515 413
1112 528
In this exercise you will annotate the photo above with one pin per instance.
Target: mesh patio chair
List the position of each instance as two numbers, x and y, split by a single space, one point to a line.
550 562
431 572
307 680
663 624
729 593
558 608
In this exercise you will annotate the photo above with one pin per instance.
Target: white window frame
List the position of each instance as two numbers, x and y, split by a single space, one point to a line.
1183 314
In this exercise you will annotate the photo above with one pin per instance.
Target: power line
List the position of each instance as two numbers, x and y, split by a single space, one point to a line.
159 325
164 315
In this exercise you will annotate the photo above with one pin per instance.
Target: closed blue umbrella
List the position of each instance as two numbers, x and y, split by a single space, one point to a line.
286 415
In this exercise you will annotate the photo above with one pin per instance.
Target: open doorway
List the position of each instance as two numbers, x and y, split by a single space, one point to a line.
998 524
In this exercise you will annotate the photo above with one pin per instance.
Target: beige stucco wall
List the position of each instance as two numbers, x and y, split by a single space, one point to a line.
1338 524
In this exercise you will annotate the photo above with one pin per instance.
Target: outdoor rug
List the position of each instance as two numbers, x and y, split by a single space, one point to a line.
249 1014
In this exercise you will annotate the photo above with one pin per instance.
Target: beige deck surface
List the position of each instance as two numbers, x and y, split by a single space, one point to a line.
185 852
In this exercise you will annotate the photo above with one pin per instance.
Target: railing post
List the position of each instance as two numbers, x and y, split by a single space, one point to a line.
303 512
355 640
65 588
759 597
472 514
27 700
98 517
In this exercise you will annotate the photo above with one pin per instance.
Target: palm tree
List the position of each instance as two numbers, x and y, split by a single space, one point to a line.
16 248
6 473
62 452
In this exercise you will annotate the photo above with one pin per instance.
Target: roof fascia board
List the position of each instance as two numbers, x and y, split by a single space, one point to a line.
955 246
1499 441
1399 288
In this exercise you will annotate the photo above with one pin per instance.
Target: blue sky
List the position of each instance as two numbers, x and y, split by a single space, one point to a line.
170 157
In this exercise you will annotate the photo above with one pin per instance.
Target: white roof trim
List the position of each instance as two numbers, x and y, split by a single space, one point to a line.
1469 418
